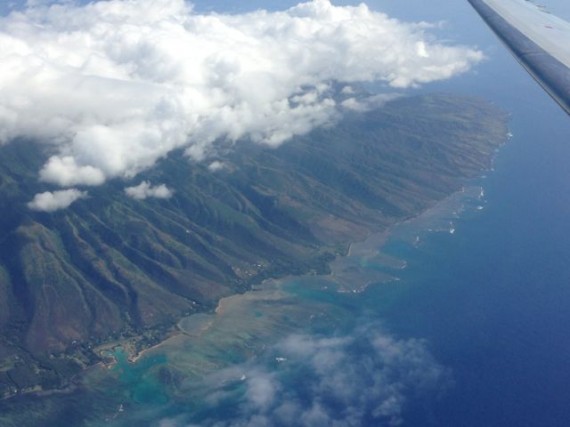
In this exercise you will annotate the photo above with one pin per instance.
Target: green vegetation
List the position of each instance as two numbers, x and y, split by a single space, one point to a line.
110 268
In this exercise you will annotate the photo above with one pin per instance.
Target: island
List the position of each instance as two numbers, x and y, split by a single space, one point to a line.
111 270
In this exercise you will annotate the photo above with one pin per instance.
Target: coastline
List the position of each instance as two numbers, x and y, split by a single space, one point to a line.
361 247
371 246
368 247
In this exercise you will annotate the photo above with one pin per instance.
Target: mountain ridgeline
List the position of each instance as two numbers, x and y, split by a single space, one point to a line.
111 267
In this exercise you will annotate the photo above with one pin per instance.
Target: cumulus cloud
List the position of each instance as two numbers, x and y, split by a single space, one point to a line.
145 190
53 201
65 171
116 85
216 165
367 378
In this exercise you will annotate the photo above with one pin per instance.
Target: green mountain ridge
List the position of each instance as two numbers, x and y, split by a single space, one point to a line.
111 267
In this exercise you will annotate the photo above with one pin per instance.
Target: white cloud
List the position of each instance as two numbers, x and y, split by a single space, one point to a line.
261 389
53 201
369 103
65 171
366 378
216 165
116 85
145 190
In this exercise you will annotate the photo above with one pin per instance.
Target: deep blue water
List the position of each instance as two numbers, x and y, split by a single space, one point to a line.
493 300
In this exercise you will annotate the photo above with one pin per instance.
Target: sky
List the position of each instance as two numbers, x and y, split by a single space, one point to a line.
114 86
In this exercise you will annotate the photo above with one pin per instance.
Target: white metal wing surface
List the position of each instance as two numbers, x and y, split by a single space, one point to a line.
539 40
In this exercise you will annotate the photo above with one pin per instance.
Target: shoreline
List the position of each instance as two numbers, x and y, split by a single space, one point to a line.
371 245
368 246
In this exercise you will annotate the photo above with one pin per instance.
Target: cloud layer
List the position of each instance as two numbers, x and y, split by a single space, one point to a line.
367 378
116 85
53 201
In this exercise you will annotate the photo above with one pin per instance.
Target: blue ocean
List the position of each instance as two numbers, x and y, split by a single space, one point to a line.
493 299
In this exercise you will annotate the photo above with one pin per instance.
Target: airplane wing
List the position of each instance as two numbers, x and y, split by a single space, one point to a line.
539 40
